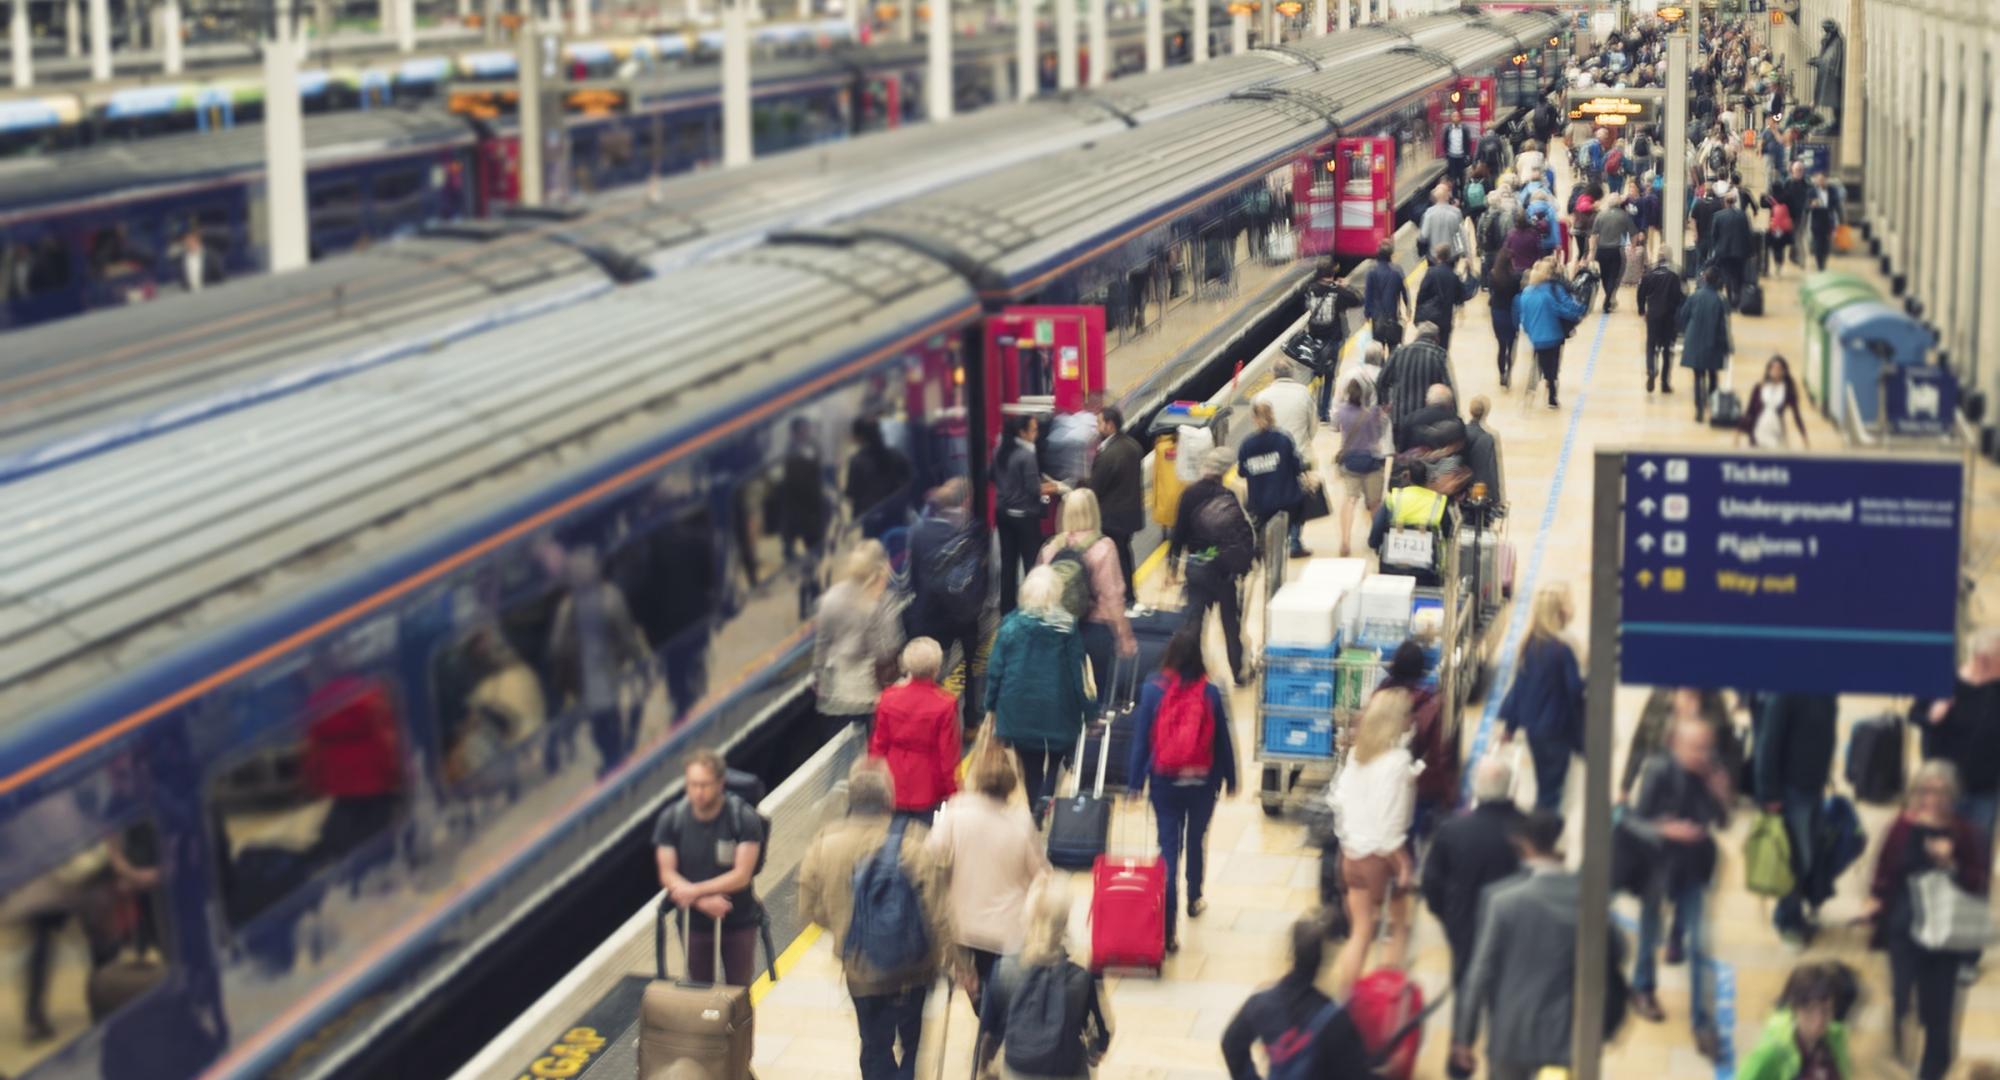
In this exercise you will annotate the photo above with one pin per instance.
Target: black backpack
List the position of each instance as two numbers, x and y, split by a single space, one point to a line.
737 787
1221 524
1875 759
1043 1037
954 582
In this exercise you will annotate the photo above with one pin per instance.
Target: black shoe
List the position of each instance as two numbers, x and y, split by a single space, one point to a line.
40 1030
1196 907
1666 388
1649 386
1674 954
1300 553
1173 946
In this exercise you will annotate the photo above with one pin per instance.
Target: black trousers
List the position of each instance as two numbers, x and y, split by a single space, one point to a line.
1611 264
1020 543
1040 767
1732 278
1123 542
1550 360
1704 384
1822 246
1209 587
1659 355
1931 978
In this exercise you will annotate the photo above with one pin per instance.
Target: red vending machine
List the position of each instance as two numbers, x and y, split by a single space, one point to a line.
1365 186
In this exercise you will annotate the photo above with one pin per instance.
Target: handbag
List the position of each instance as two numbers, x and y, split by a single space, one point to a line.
1312 504
1361 461
1946 918
1767 858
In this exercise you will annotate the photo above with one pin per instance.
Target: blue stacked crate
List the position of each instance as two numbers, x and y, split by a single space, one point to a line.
1298 701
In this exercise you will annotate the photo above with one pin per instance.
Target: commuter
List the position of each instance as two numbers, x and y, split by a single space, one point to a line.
1436 426
857 636
1470 852
1594 155
1732 242
798 503
1928 836
1211 530
1661 293
1482 450
1965 731
1411 371
1503 291
1610 241
994 854
948 577
917 734
1548 314
1478 194
706 846
1384 297
1806 1037
1705 339
596 648
878 481
1086 563
1825 209
1684 797
1503 210
1274 471
1439 294
503 709
1066 450
92 887
1183 750
1524 242
1460 140
888 1004
1546 698
1491 152
1780 230
1328 300
1523 969
1411 528
194 259
1121 489
1292 409
1530 163
1764 414
1794 193
1707 204
1034 685
1367 372
1644 160
1441 231
1042 1013
1771 143
1359 460
1302 1029
1793 762
1374 796
1018 492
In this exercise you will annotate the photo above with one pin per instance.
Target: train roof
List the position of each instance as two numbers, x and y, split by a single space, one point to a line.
38 183
136 552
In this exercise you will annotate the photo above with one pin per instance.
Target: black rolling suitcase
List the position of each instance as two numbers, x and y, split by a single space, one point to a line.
1752 302
1080 823
1112 733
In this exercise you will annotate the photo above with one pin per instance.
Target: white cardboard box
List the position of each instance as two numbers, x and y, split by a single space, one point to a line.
1303 615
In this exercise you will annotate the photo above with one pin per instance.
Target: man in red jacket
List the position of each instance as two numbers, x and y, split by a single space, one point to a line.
917 733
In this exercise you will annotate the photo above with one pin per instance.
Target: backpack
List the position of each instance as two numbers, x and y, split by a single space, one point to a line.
1043 1039
1220 524
1718 162
1781 218
1475 195
1614 162
737 789
1875 759
1184 729
954 581
1642 147
1323 309
888 928
1292 1056
1079 597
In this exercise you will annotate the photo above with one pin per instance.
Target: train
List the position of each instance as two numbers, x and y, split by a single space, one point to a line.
109 225
329 691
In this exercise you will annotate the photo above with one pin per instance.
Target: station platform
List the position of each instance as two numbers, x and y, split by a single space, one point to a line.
1261 872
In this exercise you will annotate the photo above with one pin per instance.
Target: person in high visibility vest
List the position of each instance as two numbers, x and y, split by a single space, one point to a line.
1411 529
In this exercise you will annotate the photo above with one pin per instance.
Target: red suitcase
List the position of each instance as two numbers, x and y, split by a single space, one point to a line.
1128 912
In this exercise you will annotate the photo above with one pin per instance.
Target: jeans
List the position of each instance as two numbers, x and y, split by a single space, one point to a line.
1551 361
1687 901
1183 812
1551 755
1801 814
1209 586
1020 543
1659 356
983 963
885 1018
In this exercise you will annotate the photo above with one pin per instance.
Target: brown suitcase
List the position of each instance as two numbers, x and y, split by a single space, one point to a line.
707 1024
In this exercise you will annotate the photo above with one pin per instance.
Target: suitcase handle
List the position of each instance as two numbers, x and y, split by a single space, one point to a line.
687 946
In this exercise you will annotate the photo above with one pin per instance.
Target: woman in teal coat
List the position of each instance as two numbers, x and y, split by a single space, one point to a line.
1705 345
1806 1037
1034 685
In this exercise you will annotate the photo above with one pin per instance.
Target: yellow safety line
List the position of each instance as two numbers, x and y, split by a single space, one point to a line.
785 962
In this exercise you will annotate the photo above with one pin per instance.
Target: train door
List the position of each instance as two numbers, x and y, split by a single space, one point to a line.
1315 201
42 270
499 169
1365 180
1044 361
1480 100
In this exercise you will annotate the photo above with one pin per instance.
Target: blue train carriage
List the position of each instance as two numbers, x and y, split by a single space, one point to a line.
298 728
108 225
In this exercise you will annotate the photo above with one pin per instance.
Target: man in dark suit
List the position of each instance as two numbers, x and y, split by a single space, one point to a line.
1733 243
1121 489
1482 449
1470 852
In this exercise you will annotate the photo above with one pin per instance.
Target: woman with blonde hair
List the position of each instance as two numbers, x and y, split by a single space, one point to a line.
1546 699
1034 684
1373 800
995 855
1100 597
857 634
1066 1046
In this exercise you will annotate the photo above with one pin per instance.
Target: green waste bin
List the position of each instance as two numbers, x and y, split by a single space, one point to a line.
1821 295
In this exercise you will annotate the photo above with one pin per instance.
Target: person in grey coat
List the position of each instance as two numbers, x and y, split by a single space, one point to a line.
1526 939
1705 344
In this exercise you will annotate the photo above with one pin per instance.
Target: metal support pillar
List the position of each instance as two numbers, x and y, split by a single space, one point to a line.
580 18
1065 44
285 157
21 57
1346 16
1319 18
1027 73
1156 35
937 80
736 148
72 29
1200 33
1269 34
1100 42
1239 34
406 26
1593 916
171 45
1673 216
100 40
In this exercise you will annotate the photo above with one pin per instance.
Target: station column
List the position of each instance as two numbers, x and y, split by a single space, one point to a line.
1156 31
100 40
1200 34
580 14
1346 16
284 153
170 37
1319 18
736 147
22 56
1065 44
1027 77
406 25
937 80
1100 43
1239 33
72 29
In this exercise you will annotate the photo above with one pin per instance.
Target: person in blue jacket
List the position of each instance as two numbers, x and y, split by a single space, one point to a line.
1183 794
1548 311
1546 699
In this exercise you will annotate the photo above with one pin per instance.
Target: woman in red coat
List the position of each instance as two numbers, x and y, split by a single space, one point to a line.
916 732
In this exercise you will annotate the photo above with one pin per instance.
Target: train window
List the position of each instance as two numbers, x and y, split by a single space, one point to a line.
37 268
334 204
395 187
89 926
325 789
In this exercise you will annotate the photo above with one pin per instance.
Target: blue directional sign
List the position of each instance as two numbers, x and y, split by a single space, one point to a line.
1810 574
1920 399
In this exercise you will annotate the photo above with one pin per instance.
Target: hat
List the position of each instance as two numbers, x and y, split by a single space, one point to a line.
1218 461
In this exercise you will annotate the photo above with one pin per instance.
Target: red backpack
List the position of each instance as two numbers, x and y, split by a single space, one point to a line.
1184 729
1781 218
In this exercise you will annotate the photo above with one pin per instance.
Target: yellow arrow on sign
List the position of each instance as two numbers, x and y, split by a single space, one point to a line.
1645 578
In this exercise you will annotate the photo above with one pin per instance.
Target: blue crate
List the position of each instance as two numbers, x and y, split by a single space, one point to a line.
1289 688
1298 733
1298 655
